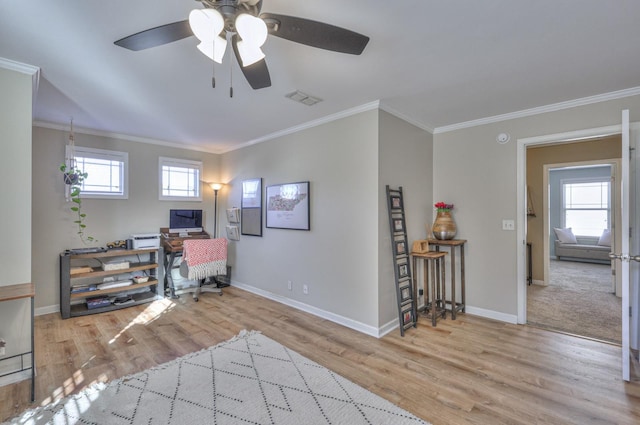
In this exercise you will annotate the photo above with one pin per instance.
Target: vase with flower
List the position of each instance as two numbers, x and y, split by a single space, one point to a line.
444 227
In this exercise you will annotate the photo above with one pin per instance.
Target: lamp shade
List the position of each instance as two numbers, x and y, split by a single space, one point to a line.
206 25
253 32
216 186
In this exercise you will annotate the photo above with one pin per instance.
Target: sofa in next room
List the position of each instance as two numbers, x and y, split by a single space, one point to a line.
582 248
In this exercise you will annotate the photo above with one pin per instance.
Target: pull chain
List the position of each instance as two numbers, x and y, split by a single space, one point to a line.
230 76
213 68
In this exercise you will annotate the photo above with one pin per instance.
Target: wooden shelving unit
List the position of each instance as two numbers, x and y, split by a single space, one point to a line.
68 281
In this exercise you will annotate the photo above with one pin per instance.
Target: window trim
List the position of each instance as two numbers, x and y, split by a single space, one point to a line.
178 162
87 152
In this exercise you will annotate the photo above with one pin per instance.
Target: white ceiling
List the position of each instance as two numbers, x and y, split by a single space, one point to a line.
434 62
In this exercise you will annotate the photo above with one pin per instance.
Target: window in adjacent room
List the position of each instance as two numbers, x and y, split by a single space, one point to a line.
180 180
586 206
107 172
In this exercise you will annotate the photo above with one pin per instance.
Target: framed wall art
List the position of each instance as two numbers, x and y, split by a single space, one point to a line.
288 206
251 207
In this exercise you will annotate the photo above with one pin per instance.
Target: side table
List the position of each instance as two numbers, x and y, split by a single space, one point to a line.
17 292
452 244
434 285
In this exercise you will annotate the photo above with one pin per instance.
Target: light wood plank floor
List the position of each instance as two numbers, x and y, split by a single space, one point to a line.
468 371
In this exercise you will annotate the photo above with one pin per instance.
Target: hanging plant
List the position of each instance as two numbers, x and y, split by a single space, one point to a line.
74 178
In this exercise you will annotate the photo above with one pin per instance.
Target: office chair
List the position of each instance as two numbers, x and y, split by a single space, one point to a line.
202 260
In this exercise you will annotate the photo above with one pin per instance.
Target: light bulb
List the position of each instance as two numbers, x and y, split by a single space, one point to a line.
253 32
206 25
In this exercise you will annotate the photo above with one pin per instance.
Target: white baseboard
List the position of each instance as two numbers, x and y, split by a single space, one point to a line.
47 310
388 327
341 320
345 321
491 314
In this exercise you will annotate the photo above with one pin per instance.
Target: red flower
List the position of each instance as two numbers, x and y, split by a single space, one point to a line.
441 206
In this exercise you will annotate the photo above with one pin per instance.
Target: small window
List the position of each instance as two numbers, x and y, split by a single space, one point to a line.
180 180
107 172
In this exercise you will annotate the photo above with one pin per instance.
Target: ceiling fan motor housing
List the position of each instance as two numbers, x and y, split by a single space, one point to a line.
230 9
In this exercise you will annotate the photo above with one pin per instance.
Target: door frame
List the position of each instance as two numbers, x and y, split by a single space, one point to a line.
615 164
521 204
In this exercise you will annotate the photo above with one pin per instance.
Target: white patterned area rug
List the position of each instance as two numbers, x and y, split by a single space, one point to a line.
249 379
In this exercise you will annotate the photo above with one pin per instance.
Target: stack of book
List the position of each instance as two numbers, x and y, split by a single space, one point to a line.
98 302
83 288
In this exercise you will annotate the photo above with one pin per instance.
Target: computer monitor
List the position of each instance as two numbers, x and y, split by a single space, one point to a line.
184 221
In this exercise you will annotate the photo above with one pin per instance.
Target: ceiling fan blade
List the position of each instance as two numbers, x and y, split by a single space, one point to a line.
315 34
257 74
156 36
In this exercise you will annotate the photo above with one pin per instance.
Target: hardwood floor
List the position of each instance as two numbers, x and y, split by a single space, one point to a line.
468 371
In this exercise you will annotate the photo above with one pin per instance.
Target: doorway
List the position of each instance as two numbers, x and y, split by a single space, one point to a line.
573 288
575 146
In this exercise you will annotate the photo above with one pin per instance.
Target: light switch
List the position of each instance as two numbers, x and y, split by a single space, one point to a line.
508 225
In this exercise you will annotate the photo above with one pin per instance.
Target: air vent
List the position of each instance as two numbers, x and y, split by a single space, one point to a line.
304 98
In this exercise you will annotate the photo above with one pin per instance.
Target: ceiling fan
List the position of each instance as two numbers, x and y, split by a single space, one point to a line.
242 21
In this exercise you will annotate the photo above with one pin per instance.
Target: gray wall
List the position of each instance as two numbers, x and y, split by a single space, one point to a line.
107 219
346 257
15 212
337 257
479 176
406 159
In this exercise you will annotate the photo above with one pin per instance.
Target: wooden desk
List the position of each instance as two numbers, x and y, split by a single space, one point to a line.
452 244
17 292
434 295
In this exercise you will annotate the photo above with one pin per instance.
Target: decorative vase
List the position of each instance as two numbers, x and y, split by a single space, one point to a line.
444 227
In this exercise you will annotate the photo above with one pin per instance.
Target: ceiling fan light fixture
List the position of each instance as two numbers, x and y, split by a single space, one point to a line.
253 32
251 29
249 54
206 25
214 51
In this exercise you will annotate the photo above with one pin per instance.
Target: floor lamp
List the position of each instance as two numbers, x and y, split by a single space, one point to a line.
216 187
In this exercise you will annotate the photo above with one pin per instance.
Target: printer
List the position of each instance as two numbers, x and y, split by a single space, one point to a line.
146 240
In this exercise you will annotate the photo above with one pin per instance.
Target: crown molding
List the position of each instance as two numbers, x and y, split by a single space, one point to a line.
403 117
329 118
18 66
125 137
541 110
24 68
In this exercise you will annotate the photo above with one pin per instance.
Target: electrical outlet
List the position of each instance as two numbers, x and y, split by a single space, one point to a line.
3 343
305 289
290 285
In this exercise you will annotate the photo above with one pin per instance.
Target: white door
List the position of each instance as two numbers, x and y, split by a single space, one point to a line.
623 257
